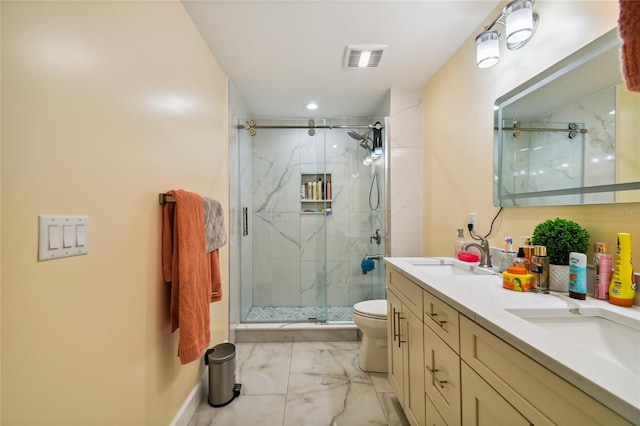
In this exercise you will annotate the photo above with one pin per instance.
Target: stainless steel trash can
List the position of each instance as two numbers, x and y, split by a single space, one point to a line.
221 360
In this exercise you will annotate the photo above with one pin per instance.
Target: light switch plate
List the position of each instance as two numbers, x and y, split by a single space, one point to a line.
64 231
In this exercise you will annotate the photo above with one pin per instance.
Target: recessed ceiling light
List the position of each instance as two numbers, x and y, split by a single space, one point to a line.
312 106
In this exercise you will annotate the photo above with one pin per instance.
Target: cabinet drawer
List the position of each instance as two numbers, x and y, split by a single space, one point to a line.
442 319
432 417
537 393
483 406
442 377
409 292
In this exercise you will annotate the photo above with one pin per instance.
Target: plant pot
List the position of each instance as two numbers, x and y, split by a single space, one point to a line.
559 278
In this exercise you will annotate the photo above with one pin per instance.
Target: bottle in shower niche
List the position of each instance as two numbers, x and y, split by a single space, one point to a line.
577 275
459 242
540 269
602 264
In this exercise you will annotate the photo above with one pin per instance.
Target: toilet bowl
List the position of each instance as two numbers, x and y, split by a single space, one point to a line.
371 318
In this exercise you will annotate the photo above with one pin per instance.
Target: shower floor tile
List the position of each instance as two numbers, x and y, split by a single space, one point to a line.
296 313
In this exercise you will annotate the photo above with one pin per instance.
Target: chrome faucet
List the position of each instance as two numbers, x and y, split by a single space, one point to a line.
374 256
365 268
485 253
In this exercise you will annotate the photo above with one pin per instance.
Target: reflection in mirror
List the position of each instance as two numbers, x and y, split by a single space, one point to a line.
570 135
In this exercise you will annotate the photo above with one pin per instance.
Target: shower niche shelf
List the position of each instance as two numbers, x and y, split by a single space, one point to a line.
315 193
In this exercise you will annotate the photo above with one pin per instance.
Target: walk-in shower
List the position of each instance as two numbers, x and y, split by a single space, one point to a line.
305 204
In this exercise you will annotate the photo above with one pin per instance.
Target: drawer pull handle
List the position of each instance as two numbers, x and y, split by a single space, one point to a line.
441 383
435 319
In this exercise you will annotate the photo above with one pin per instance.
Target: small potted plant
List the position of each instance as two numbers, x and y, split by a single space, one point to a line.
561 237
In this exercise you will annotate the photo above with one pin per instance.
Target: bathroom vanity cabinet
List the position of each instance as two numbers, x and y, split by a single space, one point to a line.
468 376
405 346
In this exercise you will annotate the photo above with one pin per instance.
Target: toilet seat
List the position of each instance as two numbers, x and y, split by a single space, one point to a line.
374 309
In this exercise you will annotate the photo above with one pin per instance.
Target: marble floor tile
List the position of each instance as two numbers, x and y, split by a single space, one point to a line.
246 410
381 382
326 387
263 368
347 404
304 384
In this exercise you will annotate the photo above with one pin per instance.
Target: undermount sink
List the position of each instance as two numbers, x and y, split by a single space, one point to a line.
444 269
605 333
450 266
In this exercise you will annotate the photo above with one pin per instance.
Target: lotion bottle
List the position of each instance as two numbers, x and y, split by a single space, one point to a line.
623 286
577 275
602 264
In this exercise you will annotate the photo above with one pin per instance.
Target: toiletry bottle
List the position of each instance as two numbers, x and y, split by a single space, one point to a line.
459 242
623 286
328 190
577 275
602 264
527 247
540 269
521 260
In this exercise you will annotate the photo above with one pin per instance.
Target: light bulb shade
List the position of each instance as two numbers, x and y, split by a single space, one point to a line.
487 49
519 21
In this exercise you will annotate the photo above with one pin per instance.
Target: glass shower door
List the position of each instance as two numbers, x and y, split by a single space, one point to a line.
283 272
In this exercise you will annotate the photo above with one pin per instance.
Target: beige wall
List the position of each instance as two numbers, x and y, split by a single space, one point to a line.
105 104
458 134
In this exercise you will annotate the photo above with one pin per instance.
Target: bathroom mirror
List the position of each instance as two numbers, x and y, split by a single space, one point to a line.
570 135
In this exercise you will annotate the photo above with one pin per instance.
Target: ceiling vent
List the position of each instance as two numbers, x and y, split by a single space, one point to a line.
363 56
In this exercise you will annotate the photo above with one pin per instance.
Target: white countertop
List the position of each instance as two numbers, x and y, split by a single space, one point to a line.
482 299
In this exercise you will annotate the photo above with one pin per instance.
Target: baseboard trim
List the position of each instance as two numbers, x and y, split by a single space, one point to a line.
199 392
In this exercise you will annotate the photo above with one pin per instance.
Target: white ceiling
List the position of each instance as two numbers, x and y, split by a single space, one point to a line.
282 54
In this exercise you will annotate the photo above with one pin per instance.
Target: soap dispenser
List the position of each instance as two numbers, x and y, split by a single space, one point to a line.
521 260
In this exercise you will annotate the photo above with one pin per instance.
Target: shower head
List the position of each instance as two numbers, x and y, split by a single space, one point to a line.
363 139
357 136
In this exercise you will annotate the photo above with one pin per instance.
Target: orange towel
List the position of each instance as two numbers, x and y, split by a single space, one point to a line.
629 28
194 274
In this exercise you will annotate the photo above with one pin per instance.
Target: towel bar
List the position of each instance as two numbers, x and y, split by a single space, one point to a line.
166 198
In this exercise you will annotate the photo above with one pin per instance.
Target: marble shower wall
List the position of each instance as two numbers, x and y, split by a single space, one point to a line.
406 174
312 259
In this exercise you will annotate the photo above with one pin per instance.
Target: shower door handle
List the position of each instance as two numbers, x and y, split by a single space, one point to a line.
245 222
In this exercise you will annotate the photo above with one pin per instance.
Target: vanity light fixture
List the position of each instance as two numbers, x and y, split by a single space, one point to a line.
520 22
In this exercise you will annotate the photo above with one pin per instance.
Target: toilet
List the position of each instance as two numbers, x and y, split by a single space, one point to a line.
371 318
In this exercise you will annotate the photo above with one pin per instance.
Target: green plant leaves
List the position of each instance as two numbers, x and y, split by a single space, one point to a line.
561 237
